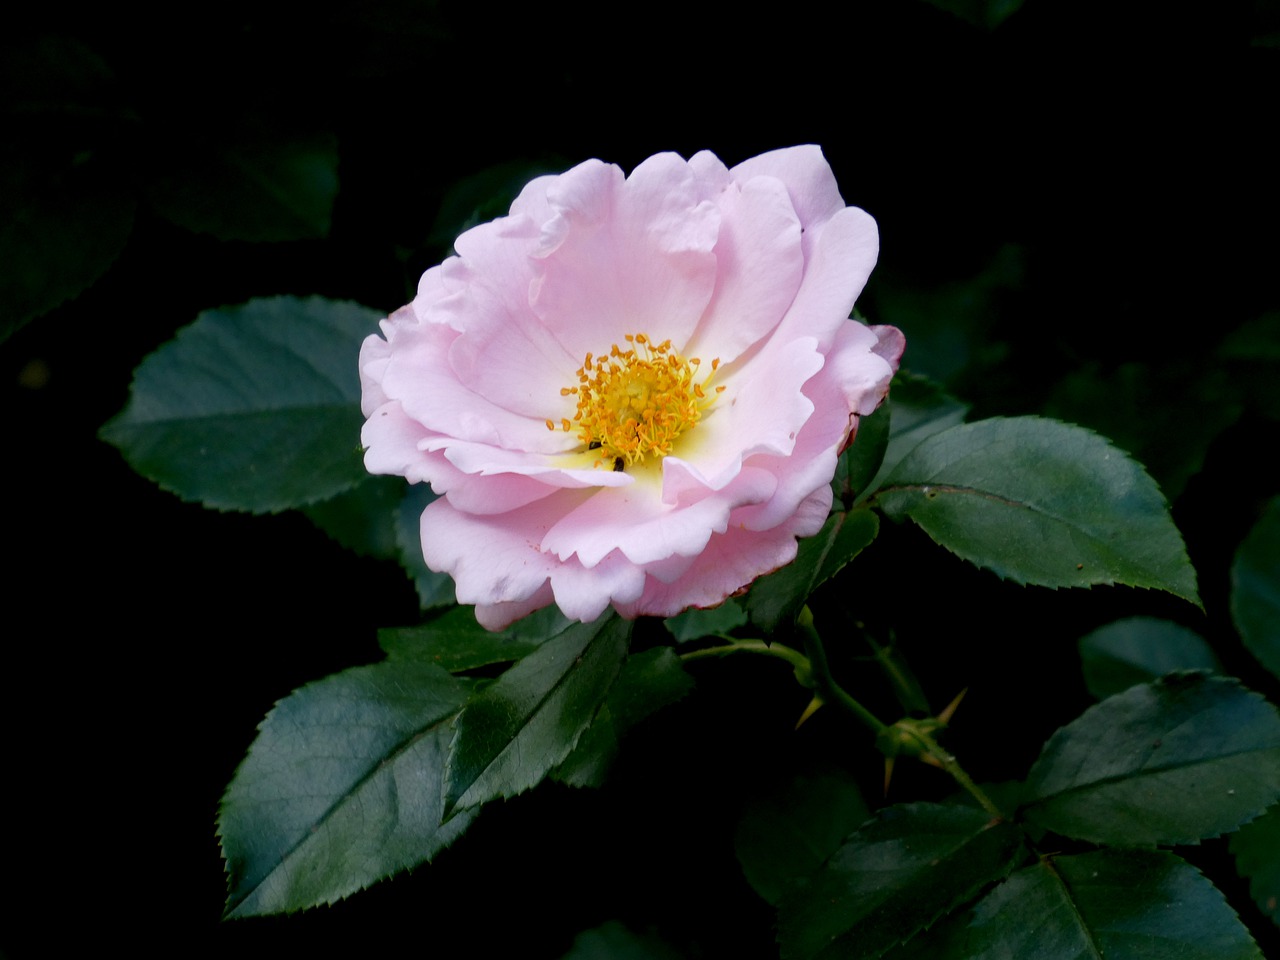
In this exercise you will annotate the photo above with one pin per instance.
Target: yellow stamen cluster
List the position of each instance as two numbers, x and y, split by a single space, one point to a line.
635 402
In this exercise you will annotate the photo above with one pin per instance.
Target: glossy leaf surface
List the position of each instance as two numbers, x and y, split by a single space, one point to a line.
1112 904
1256 846
342 787
647 682
788 833
775 600
254 407
1140 649
1043 502
893 877
1255 589
1175 761
526 722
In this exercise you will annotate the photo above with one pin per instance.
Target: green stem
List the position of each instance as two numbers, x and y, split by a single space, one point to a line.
952 766
829 690
832 692
793 657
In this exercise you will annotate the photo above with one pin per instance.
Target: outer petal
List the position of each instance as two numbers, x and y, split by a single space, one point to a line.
809 180
835 274
730 562
635 521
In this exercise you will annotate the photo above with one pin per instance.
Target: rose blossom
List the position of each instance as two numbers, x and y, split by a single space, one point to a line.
632 391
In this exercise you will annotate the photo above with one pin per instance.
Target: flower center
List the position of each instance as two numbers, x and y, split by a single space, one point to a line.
635 403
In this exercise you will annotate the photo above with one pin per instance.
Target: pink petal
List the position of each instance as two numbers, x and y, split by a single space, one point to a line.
634 520
629 256
810 182
492 559
759 265
834 275
730 561
419 375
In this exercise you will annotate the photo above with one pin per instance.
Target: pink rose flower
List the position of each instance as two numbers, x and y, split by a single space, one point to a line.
632 391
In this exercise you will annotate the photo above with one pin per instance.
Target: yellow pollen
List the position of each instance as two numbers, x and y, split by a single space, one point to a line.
635 403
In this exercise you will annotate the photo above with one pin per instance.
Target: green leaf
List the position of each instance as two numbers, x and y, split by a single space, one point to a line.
789 832
525 723
895 876
1175 761
981 13
255 407
434 589
455 641
1255 589
1165 415
362 518
1256 847
1121 905
613 941
257 181
694 624
919 409
67 203
775 600
647 682
862 460
1139 649
1038 501
342 787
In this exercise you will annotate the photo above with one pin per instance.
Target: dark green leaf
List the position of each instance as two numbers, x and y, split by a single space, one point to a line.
1255 589
342 787
789 832
1164 414
1252 353
258 181
1038 501
895 876
1139 649
613 941
524 724
434 589
981 13
455 641
362 518
1175 761
919 409
949 327
66 202
776 600
862 460
1256 847
694 624
483 196
255 407
647 682
1121 905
